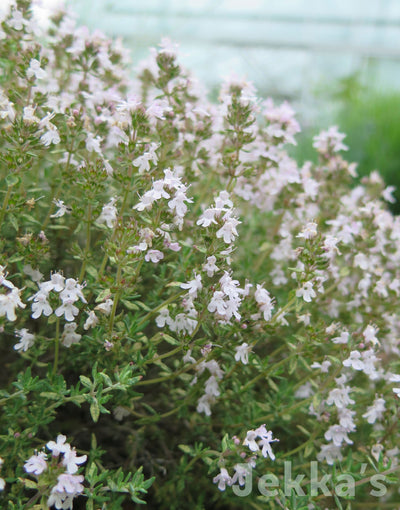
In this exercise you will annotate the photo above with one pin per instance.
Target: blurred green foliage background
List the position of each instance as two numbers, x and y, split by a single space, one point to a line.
371 121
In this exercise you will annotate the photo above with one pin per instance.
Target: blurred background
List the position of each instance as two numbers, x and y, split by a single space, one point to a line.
336 61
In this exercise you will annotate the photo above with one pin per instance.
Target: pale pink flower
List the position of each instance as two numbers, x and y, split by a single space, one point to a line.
36 464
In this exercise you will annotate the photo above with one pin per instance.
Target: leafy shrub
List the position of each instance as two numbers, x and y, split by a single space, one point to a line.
179 299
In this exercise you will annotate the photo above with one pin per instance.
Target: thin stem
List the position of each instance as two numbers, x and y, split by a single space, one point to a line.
165 355
121 214
5 203
56 346
87 246
269 371
57 193
172 375
6 399
43 503
116 298
157 308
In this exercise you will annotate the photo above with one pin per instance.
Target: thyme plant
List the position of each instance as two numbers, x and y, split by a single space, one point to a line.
188 318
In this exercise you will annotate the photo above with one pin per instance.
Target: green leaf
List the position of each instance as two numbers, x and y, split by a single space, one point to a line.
308 450
106 378
14 222
85 381
185 448
106 293
130 305
92 271
12 180
95 410
273 385
51 319
48 394
15 258
29 484
170 339
305 432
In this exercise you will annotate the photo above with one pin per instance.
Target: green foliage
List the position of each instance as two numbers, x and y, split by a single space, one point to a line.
208 323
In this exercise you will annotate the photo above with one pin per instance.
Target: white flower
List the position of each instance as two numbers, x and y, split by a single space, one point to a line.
193 286
330 247
34 69
346 419
40 305
188 358
309 231
340 397
26 340
17 20
120 413
387 194
250 440
61 500
57 281
154 256
242 353
177 204
69 336
223 479
58 446
108 214
210 267
69 484
9 302
91 321
342 339
305 390
369 334
29 116
105 307
156 193
241 472
324 366
306 292
71 461
62 209
35 274
264 301
72 291
36 464
329 140
68 309
143 161
3 279
50 136
265 442
203 404
338 435
93 144
354 361
375 411
207 218
228 230
211 386
163 318
330 452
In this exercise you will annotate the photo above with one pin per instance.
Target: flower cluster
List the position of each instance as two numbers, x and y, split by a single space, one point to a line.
201 281
254 439
64 464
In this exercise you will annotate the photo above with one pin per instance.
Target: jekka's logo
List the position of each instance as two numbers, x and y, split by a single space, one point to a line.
344 484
